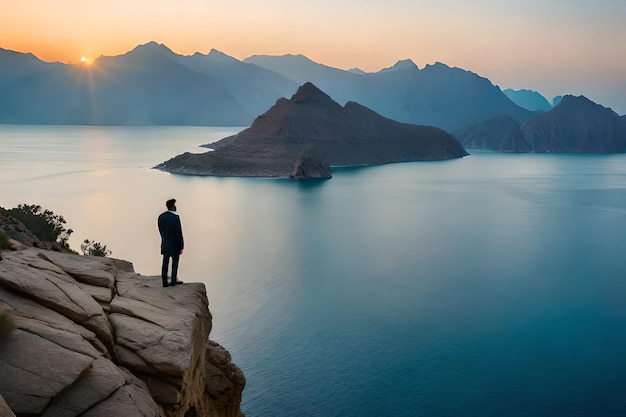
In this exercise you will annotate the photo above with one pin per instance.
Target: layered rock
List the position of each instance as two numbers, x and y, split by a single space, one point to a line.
93 338
342 135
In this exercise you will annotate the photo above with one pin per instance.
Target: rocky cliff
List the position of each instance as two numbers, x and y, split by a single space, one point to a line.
93 338
577 124
341 135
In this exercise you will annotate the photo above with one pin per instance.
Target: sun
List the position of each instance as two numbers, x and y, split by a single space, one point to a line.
83 59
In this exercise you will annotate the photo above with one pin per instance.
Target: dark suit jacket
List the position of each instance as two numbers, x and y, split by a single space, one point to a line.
171 233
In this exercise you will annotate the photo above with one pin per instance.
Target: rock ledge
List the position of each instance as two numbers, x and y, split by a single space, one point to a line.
94 338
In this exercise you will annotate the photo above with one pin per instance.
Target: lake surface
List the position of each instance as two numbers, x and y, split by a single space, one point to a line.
492 285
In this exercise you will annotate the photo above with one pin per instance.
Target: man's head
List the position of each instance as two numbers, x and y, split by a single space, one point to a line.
171 204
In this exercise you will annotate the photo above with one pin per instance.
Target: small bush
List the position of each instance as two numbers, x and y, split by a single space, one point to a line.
4 240
93 248
6 324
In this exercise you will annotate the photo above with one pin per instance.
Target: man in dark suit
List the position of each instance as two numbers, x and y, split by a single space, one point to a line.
172 243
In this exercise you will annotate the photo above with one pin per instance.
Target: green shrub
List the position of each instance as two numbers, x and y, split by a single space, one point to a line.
93 248
44 224
4 240
6 324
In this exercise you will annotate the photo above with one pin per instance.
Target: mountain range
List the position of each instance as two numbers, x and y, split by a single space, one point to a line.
436 95
153 85
150 85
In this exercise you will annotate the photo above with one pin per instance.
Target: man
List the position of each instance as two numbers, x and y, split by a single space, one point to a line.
172 244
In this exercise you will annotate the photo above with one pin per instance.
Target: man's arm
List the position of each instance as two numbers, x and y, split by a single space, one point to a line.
179 228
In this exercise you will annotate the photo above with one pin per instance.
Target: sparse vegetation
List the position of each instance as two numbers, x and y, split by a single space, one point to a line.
6 324
92 248
44 224
4 240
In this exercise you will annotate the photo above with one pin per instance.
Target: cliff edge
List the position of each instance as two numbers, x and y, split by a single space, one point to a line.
93 338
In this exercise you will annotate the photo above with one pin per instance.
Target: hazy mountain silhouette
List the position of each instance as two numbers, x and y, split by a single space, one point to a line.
143 86
16 66
437 95
357 71
577 124
400 65
153 85
301 69
254 87
147 85
342 85
501 133
20 77
311 120
528 99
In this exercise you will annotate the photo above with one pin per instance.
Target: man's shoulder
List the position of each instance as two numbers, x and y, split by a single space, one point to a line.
168 214
165 214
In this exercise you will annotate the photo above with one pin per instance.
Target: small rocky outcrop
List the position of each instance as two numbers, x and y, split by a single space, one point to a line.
346 135
311 165
577 124
94 338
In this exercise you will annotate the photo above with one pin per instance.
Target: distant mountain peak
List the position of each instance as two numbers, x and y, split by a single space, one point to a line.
402 64
528 99
569 99
216 52
438 65
151 48
357 71
220 56
308 91
571 103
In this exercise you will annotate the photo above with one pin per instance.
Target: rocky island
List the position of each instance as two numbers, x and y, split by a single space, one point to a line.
90 337
304 136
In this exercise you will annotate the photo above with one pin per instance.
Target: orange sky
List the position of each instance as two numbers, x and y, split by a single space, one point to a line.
555 48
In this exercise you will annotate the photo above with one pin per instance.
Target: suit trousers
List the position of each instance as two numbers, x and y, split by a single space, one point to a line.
165 266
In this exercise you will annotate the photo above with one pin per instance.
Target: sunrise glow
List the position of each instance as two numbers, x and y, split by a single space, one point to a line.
558 51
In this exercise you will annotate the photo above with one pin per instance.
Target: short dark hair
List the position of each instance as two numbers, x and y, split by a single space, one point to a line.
170 203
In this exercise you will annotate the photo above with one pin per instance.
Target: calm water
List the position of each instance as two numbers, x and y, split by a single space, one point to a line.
493 285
